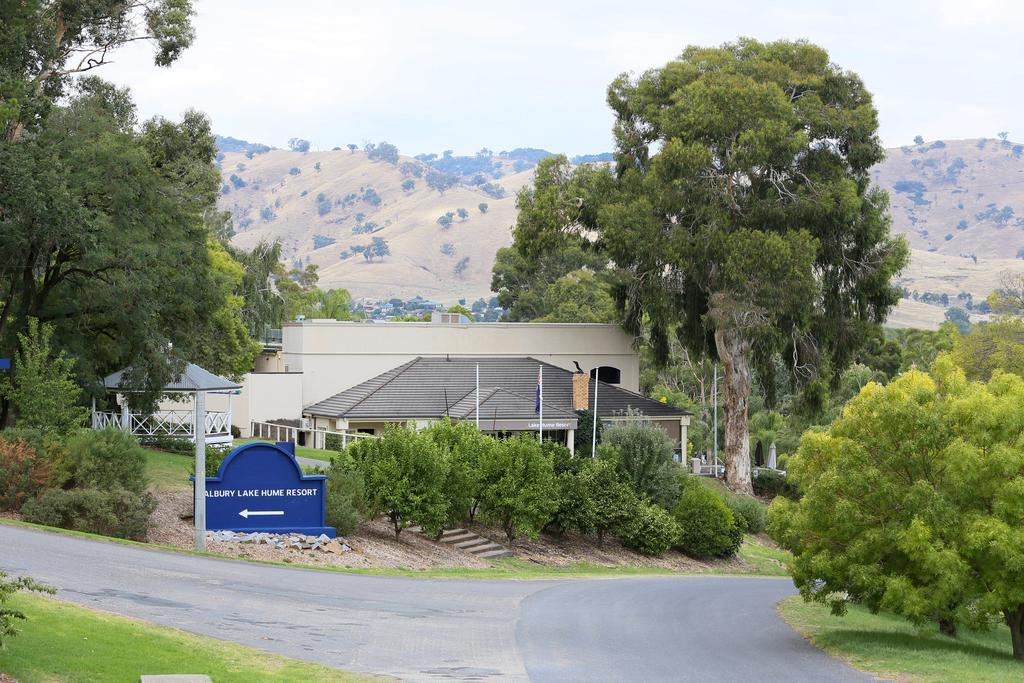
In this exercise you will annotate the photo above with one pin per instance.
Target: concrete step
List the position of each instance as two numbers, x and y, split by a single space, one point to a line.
472 543
486 548
461 538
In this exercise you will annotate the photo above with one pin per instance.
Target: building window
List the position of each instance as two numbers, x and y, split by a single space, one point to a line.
607 374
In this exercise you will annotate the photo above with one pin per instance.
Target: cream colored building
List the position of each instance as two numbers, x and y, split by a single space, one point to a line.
333 356
318 359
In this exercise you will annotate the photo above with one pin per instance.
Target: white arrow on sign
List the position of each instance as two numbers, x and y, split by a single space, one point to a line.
253 513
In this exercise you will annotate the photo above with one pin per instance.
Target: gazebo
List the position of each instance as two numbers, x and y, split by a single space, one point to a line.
172 422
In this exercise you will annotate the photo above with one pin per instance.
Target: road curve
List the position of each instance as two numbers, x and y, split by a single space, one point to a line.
649 629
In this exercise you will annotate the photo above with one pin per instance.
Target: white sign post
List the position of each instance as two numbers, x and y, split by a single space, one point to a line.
200 487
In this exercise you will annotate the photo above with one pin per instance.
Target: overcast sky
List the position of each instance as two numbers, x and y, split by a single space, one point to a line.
442 74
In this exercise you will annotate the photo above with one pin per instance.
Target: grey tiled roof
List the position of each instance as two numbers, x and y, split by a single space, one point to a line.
435 387
194 378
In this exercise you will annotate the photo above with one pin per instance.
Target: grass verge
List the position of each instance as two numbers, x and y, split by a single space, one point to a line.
64 642
765 559
506 568
889 645
168 471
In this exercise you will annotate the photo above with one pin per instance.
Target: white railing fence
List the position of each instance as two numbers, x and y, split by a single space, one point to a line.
313 438
177 423
697 468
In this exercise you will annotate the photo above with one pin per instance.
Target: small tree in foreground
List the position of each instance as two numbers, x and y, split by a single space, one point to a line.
45 395
8 615
913 503
517 487
403 477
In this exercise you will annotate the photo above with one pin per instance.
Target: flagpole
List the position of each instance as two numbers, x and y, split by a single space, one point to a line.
540 406
478 397
593 436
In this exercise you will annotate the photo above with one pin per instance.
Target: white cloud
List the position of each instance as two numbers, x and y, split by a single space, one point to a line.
462 75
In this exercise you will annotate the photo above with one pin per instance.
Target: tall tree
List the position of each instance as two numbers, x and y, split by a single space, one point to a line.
578 297
106 231
44 43
740 216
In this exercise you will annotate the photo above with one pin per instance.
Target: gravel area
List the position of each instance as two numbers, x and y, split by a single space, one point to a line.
374 545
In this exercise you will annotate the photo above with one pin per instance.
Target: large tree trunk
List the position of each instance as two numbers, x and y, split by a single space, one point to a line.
734 351
1015 620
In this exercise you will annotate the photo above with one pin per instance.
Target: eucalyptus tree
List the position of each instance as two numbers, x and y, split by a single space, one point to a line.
45 43
740 216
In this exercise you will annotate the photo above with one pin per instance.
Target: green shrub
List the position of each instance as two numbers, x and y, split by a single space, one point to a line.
771 484
517 487
706 525
650 530
749 513
171 444
332 442
464 448
107 459
592 499
214 457
404 473
346 503
576 509
643 455
25 471
115 512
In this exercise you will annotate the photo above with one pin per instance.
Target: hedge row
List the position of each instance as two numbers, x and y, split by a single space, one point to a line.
450 473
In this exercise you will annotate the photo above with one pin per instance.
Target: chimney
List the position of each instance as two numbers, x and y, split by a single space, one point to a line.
580 391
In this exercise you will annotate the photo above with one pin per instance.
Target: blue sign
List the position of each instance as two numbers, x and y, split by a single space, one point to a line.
260 487
5 363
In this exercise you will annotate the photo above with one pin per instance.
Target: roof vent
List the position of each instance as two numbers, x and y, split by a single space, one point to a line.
448 319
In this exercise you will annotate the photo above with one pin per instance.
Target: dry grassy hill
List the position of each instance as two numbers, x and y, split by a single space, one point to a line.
333 193
959 202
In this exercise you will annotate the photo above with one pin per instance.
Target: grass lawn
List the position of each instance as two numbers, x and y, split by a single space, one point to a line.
767 560
64 642
300 451
891 646
168 471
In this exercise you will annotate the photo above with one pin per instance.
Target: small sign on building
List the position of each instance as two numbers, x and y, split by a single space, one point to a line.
261 487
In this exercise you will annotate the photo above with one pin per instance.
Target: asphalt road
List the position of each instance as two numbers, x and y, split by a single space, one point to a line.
635 629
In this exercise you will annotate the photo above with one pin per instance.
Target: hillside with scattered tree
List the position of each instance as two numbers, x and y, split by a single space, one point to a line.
960 203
